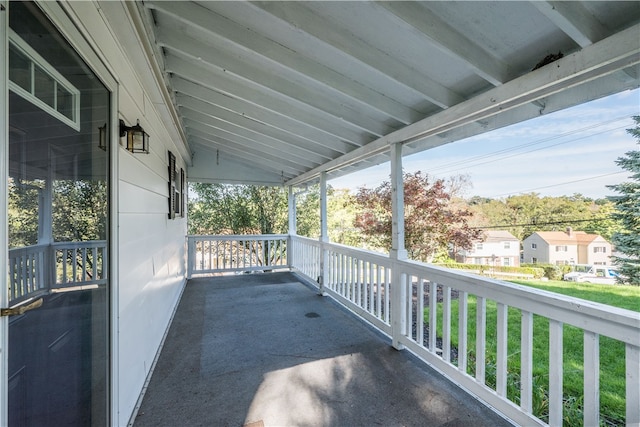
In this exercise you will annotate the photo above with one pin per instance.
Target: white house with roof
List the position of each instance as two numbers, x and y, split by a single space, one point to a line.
566 247
495 248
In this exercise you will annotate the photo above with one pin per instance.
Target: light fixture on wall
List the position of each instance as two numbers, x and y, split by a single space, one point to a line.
102 137
137 138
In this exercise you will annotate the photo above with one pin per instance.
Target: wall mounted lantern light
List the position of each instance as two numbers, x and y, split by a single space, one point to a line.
137 138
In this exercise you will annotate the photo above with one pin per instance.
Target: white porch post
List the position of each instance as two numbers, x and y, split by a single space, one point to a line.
398 251
291 202
324 234
45 225
292 212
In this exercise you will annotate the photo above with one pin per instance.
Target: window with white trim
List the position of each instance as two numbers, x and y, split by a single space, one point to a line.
37 81
600 249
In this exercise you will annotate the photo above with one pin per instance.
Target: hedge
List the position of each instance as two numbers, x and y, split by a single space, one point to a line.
537 272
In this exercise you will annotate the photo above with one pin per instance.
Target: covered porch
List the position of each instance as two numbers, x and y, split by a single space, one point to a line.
287 94
256 345
266 350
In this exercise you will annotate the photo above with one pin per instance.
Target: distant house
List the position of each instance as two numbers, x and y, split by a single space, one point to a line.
496 248
566 247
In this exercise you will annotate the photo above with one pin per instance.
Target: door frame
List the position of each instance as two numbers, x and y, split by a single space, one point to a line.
65 20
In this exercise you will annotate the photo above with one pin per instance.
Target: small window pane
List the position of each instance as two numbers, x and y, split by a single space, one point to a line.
65 102
19 69
44 87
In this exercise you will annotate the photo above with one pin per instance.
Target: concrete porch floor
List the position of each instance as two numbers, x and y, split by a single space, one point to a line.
265 350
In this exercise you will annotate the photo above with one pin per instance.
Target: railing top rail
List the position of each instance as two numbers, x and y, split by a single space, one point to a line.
380 257
238 236
82 244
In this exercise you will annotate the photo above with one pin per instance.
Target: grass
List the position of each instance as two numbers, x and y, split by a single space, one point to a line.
612 352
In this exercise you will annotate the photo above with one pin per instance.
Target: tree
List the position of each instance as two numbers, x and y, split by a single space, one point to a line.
23 202
217 209
308 212
432 223
525 214
627 211
79 211
342 210
237 209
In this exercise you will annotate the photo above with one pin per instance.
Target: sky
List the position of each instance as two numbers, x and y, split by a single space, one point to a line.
562 153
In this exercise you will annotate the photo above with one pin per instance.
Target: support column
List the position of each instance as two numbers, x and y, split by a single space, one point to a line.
324 235
47 273
398 251
292 212
292 231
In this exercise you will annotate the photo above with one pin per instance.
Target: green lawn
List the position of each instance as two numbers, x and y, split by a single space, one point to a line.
612 353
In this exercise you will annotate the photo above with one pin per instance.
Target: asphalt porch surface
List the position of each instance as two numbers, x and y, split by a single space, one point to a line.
265 350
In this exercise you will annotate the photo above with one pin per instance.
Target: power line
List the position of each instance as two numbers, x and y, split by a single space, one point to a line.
536 149
571 221
559 184
535 142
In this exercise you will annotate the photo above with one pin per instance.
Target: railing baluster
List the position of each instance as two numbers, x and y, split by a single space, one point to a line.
433 315
83 252
74 265
420 311
501 351
341 274
29 272
446 323
591 379
358 286
462 331
387 295
94 264
351 279
365 284
379 291
632 362
408 284
481 338
371 281
555 373
23 273
63 254
211 255
526 362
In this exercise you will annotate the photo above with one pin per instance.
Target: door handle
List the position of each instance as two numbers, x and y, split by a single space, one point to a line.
20 309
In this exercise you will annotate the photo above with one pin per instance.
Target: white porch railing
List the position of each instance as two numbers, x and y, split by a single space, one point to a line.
38 269
393 296
236 253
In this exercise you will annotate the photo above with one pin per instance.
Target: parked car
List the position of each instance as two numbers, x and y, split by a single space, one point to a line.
603 274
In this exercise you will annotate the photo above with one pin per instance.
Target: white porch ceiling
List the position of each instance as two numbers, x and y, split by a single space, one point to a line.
277 92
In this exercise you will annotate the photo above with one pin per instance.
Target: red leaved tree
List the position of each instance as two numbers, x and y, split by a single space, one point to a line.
432 224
